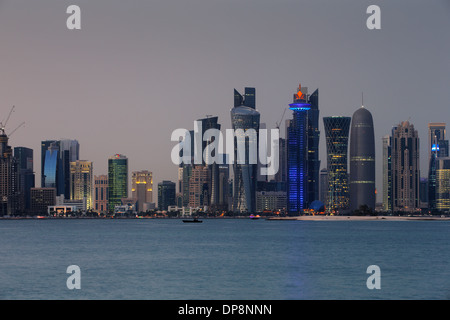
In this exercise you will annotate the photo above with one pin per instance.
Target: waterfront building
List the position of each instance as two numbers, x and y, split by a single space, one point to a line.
166 195
323 185
41 199
9 178
24 158
297 154
437 147
101 193
270 201
405 167
362 160
443 184
117 180
245 116
336 134
81 174
198 187
387 173
142 188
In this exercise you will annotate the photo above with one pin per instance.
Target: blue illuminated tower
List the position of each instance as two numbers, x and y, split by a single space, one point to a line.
297 155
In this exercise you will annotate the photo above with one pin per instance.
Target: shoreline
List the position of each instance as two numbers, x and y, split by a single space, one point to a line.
268 218
362 218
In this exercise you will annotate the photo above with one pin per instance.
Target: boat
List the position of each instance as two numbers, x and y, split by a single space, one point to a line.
195 220
254 217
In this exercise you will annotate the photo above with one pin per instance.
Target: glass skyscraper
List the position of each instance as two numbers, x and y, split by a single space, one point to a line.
166 194
244 116
297 155
336 134
117 180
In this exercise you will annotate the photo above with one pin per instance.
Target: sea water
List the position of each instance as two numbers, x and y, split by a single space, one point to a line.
239 259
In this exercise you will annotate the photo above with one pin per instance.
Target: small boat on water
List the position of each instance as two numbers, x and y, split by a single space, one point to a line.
254 217
195 220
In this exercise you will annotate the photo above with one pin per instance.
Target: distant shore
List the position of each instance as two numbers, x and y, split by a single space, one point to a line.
362 218
270 218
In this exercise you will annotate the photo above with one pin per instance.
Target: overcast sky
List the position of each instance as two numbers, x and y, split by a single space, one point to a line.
139 69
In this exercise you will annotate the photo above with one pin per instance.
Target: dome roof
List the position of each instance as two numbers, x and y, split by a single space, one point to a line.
362 115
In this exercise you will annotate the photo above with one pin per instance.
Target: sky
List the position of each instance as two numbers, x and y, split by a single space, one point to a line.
137 70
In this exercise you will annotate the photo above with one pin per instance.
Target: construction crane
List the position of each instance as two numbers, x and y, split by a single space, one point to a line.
9 135
4 122
278 123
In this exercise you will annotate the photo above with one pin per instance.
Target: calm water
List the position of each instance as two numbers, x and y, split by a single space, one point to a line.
224 259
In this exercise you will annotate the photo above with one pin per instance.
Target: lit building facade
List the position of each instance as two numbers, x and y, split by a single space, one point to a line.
198 187
81 174
443 184
142 188
437 147
245 116
362 160
297 154
41 199
117 180
336 134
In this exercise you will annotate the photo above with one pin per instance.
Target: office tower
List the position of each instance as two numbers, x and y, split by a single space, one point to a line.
387 173
224 185
323 185
270 201
24 158
443 184
101 193
117 180
405 167
244 116
187 171
68 151
297 154
423 193
41 198
336 134
9 178
313 148
142 188
198 187
362 160
44 147
52 168
81 174
207 123
437 147
166 194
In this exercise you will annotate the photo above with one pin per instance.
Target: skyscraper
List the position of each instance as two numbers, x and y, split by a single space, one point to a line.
9 178
437 147
117 180
362 160
101 193
52 169
142 187
405 167
387 174
336 134
24 158
244 116
313 148
297 154
166 194
443 184
81 174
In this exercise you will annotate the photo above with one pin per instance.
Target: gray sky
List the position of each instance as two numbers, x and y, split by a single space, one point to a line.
139 69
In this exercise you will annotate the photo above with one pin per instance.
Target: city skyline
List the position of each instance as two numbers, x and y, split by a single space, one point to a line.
122 103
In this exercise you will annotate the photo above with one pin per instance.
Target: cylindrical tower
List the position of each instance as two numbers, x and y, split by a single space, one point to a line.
362 160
